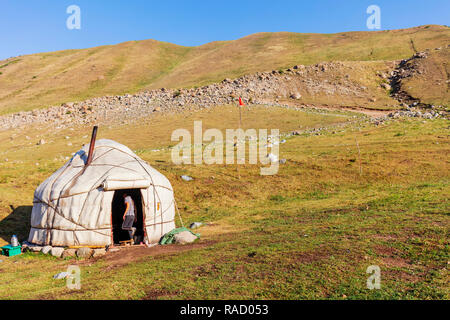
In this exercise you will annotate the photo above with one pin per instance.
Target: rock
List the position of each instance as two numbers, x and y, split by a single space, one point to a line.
386 86
195 225
282 161
84 252
57 251
295 95
98 253
184 237
186 178
41 142
34 248
69 253
61 275
46 249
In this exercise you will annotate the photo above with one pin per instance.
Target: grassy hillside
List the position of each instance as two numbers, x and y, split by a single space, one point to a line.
309 231
40 80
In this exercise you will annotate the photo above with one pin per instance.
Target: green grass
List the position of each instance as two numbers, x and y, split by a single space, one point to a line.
308 232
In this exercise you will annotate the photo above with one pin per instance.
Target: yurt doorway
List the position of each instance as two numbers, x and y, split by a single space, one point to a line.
118 210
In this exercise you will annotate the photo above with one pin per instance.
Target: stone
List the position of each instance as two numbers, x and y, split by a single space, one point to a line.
41 142
61 275
195 225
84 252
57 251
69 253
185 237
46 249
295 95
34 248
386 86
98 253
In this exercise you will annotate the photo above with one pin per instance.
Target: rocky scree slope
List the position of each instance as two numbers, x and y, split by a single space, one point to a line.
324 84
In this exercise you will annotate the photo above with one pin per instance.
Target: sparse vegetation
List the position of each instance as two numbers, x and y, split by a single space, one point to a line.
309 231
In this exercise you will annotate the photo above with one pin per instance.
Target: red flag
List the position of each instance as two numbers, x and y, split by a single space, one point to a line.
240 102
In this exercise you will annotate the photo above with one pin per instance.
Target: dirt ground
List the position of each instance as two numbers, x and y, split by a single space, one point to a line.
374 113
128 254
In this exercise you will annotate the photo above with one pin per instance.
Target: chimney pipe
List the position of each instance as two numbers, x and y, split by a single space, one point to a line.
92 145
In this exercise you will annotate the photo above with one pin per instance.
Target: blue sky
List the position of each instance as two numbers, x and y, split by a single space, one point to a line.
38 26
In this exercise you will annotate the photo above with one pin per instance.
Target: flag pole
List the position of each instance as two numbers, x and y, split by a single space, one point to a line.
240 127
240 112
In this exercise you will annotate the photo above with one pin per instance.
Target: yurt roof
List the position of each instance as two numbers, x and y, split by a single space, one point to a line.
112 164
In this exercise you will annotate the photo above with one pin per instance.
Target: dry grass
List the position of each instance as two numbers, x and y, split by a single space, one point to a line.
40 80
309 231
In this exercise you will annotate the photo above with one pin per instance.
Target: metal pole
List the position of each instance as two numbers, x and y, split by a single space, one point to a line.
92 145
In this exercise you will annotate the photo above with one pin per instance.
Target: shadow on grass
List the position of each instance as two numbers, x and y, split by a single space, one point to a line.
17 222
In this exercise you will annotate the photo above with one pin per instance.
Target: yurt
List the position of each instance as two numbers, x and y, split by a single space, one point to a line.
82 204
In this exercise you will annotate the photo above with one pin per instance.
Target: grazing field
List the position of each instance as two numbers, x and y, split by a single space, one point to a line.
355 195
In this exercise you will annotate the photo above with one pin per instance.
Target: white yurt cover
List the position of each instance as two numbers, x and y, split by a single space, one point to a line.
74 205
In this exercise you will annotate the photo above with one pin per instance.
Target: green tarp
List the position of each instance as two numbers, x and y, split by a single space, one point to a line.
169 237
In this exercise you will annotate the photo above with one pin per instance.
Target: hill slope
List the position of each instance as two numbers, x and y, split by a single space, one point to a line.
44 79
424 78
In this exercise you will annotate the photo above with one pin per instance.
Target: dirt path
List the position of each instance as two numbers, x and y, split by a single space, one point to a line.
370 112
130 254
375 113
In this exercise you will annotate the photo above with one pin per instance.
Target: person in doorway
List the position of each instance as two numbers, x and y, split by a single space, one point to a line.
129 217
